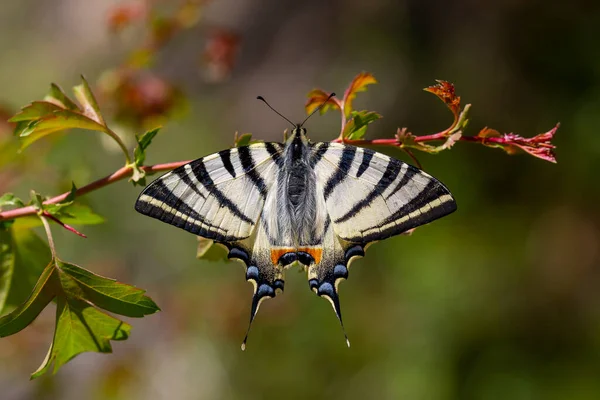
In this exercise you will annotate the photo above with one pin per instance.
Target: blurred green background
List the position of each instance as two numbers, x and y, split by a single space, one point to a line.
500 300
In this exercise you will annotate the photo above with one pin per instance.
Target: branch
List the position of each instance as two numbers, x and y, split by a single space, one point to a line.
539 146
116 176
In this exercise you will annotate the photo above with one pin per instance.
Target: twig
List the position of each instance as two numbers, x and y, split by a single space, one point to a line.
118 175
49 235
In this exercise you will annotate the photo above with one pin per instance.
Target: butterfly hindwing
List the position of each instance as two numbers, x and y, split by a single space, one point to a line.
219 196
262 270
371 196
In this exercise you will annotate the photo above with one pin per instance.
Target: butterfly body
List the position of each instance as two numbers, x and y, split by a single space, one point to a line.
316 204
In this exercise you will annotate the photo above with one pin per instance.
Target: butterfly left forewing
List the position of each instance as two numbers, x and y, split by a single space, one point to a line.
219 196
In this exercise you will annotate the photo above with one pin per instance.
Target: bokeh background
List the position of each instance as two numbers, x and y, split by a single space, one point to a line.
500 300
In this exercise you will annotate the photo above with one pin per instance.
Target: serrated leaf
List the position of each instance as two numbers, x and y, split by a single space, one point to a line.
356 127
316 98
445 91
143 142
358 84
55 122
80 328
105 293
10 200
31 255
208 250
35 110
58 97
86 98
43 292
7 264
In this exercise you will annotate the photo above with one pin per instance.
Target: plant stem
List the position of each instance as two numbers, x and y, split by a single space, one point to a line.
118 175
117 139
49 235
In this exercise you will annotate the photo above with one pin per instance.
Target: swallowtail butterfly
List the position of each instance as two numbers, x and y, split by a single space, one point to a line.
276 204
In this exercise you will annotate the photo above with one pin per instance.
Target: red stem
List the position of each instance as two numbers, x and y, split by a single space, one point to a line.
127 171
118 175
66 226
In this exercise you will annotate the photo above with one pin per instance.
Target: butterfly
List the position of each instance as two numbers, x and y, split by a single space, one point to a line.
273 205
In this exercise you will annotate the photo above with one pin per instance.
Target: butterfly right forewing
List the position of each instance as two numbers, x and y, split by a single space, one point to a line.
371 196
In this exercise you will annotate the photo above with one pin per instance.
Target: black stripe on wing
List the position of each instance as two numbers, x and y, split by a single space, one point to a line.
366 161
408 175
250 170
391 172
432 192
341 173
275 150
203 176
183 175
226 160
194 222
321 149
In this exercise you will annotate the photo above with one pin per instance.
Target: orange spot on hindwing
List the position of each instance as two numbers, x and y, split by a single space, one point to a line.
277 252
316 253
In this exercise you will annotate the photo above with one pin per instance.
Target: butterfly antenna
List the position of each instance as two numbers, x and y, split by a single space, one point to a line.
318 108
276 112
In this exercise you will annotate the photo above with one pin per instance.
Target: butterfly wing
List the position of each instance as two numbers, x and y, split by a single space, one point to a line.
219 196
367 196
371 196
226 197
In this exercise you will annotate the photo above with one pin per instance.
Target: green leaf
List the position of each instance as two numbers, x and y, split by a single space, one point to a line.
243 140
7 264
72 194
86 98
58 97
31 255
35 110
55 122
143 143
356 127
57 113
55 208
208 250
37 200
10 200
43 292
105 293
80 328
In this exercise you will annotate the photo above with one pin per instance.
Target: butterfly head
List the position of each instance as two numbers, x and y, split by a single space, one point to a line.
299 135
